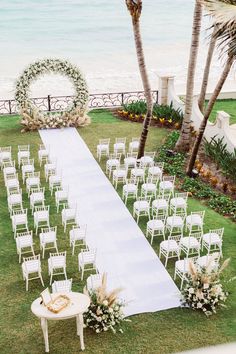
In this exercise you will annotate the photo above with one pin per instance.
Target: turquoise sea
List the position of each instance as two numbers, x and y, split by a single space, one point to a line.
97 36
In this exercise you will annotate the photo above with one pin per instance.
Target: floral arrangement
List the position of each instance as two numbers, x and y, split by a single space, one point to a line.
203 290
106 310
32 118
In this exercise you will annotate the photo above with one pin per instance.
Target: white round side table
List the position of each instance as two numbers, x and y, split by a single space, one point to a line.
79 303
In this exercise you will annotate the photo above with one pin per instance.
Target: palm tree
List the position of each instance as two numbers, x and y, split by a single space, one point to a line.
224 12
135 9
202 96
183 144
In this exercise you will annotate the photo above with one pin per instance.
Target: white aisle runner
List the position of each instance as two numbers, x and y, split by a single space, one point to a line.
123 250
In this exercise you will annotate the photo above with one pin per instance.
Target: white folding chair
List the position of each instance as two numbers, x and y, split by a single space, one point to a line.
119 146
149 188
31 265
160 205
156 171
78 236
195 221
103 148
179 203
41 216
23 153
170 248
156 227
48 237
191 244
32 182
147 159
27 168
55 182
61 196
213 240
57 264
14 199
182 269
130 189
37 197
50 168
24 243
19 220
69 215
8 169
134 145
12 182
43 154
5 155
167 185
94 281
119 175
87 261
112 163
138 173
141 208
130 161
175 223
62 286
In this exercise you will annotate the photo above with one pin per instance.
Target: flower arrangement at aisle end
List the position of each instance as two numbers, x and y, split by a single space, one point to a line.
32 118
106 310
204 290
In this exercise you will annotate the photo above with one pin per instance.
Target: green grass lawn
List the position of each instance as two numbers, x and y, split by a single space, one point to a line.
229 106
161 332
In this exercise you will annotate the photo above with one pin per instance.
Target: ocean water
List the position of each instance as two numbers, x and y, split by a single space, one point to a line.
97 36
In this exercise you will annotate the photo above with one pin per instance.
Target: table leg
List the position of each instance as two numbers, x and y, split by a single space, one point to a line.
44 325
80 326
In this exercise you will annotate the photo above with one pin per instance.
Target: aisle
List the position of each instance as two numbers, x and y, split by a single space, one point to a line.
123 251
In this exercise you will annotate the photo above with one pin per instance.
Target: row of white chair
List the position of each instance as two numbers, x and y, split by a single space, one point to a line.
103 147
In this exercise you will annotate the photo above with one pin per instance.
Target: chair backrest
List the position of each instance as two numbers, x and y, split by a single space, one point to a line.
168 179
23 147
8 163
27 261
175 238
131 181
59 257
20 236
197 235
19 212
120 140
132 154
15 191
104 141
159 164
219 232
149 180
183 195
147 199
12 175
201 213
94 281
28 162
92 253
37 190
61 286
43 147
5 149
45 230
41 208
166 196
33 175
150 154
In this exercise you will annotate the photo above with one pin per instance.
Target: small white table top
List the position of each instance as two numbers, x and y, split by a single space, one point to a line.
79 304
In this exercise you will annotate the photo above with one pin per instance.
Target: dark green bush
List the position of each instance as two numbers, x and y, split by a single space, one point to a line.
223 205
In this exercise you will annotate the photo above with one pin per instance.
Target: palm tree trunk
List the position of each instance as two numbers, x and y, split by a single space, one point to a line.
183 144
202 96
146 86
207 113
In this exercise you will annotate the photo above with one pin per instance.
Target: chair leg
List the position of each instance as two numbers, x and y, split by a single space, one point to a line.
27 283
41 278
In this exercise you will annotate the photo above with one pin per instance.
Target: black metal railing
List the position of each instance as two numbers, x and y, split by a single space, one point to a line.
60 103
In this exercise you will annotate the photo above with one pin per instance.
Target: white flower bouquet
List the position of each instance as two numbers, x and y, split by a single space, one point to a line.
204 290
105 310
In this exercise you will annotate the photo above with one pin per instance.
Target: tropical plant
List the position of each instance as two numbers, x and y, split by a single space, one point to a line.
204 290
135 9
105 309
183 144
224 12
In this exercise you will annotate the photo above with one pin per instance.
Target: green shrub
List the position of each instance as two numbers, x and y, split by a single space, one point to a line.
223 205
166 112
216 149
198 188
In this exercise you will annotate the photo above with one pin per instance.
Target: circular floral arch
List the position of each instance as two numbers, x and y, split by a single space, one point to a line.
32 117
